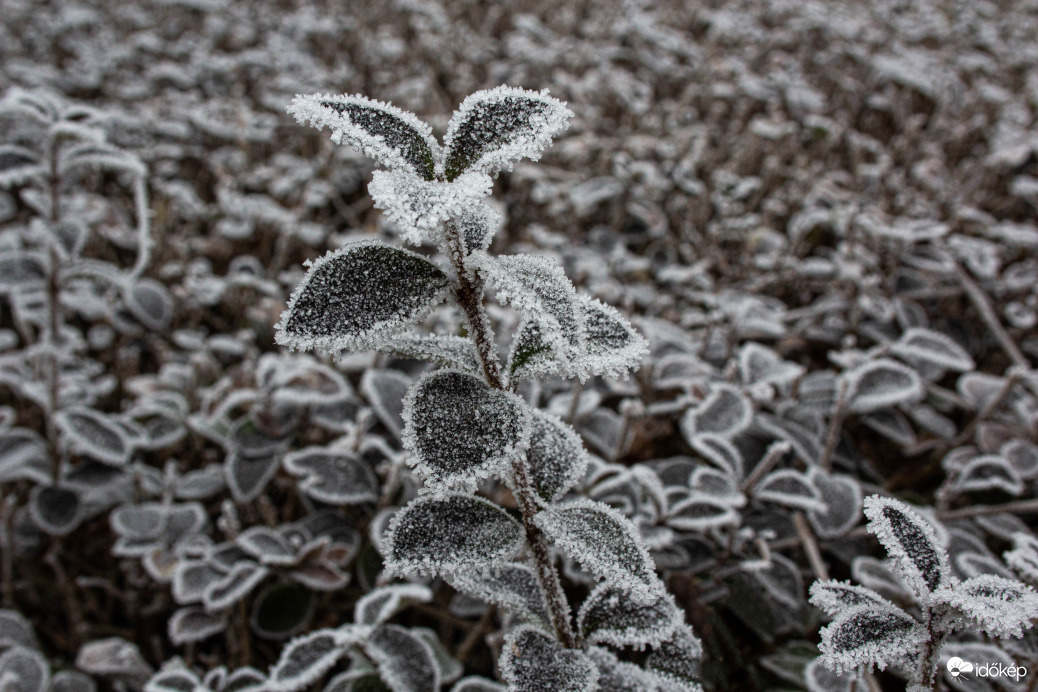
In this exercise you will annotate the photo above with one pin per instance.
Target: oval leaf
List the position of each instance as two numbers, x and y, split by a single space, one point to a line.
391 136
531 661
358 295
881 383
451 533
556 457
911 541
495 128
334 477
404 661
459 430
606 543
609 616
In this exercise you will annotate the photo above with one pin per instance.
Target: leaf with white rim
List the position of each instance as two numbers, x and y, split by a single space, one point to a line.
676 662
454 352
494 128
405 661
307 658
531 661
539 289
834 597
724 412
699 512
247 476
606 543
922 345
513 587
24 670
911 541
335 477
382 603
556 458
862 637
988 472
460 431
194 624
356 296
393 137
619 676
242 579
789 488
609 616
95 435
441 534
881 383
842 498
57 511
998 606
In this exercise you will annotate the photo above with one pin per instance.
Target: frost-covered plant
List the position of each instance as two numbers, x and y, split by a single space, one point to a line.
870 631
464 424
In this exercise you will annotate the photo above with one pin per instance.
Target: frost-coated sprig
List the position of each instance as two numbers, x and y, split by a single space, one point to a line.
464 424
868 631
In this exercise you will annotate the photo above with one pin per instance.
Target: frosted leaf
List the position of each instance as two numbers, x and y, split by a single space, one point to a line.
448 351
150 302
386 390
478 226
724 412
405 662
821 679
16 630
911 541
921 345
513 587
24 455
842 498
359 294
267 546
759 364
700 512
200 484
242 579
834 597
71 681
194 624
718 485
556 458
333 476
606 543
459 430
116 658
420 208
863 637
611 347
539 290
475 684
393 137
57 511
450 533
95 435
1024 556
676 662
881 383
998 606
531 661
609 616
22 271
720 452
781 579
1023 455
377 606
450 668
611 344
23 670
247 476
242 680
494 128
988 472
307 658
19 165
618 676
791 489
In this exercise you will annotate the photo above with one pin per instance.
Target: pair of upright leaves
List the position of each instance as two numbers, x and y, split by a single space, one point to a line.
868 630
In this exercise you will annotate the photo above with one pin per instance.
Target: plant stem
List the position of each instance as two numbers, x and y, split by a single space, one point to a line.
835 424
470 297
987 313
810 545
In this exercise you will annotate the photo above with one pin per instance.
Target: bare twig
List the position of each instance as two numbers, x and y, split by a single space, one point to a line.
776 451
810 545
1019 507
987 313
835 425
